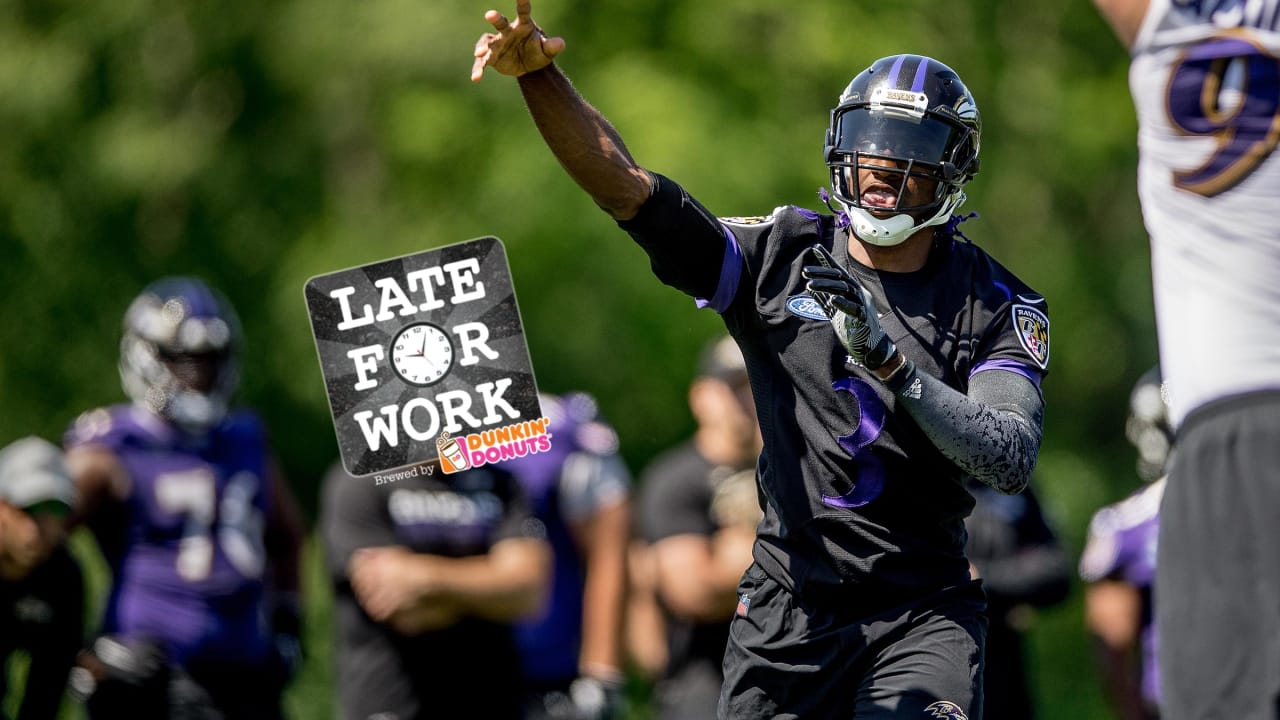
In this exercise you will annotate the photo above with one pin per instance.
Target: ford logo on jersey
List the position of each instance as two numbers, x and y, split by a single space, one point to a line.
806 307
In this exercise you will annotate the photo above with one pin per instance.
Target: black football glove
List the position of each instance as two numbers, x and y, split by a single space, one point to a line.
850 308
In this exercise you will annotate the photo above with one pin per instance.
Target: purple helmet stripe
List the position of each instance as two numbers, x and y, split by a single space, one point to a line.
917 84
897 67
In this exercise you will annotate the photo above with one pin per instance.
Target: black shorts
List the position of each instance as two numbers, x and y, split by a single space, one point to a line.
785 660
1217 595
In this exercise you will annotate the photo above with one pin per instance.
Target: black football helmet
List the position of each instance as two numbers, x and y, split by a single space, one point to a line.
178 354
1147 425
913 110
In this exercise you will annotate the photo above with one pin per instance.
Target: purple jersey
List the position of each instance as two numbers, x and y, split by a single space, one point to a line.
569 484
1122 547
186 545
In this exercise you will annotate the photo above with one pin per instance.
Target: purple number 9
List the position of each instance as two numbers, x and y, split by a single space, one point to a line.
1246 132
869 481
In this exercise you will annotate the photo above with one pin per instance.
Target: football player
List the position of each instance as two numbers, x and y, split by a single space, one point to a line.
889 358
41 586
1205 79
1023 567
1119 563
193 517
580 491
430 572
697 516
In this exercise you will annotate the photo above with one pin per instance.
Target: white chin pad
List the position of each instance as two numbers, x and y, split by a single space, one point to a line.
889 231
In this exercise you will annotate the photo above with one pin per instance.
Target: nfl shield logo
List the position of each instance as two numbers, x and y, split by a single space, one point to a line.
1033 332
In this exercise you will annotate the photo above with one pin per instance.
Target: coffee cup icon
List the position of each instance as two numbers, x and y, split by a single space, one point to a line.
452 457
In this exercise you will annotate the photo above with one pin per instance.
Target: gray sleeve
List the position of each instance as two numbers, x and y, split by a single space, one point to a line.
589 483
353 515
992 434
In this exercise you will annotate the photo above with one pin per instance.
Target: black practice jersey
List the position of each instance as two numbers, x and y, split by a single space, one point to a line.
861 507
42 614
469 669
676 495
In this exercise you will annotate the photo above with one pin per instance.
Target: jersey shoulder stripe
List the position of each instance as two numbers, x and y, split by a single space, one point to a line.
753 220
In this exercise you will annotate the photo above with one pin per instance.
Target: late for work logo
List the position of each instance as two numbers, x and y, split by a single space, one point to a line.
419 349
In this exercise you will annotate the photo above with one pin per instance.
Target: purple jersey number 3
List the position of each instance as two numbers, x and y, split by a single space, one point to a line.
871 415
1202 102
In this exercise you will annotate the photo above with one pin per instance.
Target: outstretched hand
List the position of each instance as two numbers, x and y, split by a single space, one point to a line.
851 309
516 48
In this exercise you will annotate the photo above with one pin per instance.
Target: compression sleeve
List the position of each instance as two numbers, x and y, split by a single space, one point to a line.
993 434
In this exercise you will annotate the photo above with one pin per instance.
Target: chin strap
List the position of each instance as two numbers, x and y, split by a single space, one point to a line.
950 229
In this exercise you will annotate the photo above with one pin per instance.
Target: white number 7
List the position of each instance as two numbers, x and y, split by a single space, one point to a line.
193 493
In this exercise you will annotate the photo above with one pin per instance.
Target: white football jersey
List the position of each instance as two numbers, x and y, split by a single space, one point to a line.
1205 80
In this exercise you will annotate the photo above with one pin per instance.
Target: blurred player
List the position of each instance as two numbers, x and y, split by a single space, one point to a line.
1119 563
580 491
697 514
41 587
200 530
889 358
1023 567
1205 78
430 572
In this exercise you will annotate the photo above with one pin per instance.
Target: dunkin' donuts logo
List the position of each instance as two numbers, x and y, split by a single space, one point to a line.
492 446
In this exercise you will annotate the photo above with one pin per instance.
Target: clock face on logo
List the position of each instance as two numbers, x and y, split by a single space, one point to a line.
421 354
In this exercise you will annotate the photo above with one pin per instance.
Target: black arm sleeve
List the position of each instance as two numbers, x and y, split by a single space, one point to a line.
992 434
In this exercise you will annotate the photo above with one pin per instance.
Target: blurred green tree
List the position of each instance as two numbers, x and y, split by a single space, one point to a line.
259 144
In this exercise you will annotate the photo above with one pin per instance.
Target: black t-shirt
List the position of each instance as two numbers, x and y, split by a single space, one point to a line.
466 670
675 499
43 615
862 511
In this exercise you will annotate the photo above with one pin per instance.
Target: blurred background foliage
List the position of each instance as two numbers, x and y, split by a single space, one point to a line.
260 144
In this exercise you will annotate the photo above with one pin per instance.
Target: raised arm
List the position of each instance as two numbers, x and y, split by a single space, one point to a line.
585 143
1124 16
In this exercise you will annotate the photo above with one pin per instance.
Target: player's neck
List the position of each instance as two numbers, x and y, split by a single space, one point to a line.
907 256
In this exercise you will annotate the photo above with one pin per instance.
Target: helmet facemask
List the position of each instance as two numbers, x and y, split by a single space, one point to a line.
1147 426
178 354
